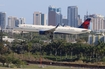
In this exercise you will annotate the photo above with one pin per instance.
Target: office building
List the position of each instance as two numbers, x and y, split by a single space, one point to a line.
14 22
17 22
39 18
22 20
43 19
79 20
72 16
36 18
93 39
97 22
64 21
54 16
2 20
11 22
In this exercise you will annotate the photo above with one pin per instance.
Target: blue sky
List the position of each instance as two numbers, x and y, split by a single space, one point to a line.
26 8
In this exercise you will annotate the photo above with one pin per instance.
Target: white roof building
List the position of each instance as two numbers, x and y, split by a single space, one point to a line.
5 38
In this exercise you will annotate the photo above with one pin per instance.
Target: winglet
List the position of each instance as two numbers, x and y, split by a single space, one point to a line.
57 25
53 29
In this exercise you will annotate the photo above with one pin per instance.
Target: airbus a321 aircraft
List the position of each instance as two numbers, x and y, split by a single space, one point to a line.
50 30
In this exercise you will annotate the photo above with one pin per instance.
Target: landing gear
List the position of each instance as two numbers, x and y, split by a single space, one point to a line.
22 33
51 37
22 37
1 32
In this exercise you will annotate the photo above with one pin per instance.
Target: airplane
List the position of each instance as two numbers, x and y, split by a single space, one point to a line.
50 30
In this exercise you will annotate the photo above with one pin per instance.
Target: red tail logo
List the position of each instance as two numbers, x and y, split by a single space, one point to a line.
86 23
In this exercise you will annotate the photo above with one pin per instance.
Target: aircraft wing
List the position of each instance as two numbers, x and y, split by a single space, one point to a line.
86 31
43 32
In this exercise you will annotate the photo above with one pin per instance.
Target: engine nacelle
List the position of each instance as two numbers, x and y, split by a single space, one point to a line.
42 32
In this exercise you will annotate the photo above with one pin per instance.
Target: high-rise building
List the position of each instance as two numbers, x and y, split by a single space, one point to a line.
58 18
39 18
43 19
64 21
36 18
72 16
22 20
97 21
79 20
54 16
17 22
12 22
93 39
2 20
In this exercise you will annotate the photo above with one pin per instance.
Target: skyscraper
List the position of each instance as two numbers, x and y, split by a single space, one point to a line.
36 18
97 22
22 20
13 22
64 21
43 19
2 20
54 16
17 22
39 18
79 20
72 16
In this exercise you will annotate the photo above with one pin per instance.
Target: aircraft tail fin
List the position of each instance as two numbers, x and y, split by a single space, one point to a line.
86 23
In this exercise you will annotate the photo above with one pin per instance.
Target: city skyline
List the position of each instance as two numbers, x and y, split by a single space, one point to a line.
26 8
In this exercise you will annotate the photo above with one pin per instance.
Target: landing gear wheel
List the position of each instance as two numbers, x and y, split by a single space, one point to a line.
51 37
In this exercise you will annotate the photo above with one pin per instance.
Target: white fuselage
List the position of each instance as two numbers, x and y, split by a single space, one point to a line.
60 29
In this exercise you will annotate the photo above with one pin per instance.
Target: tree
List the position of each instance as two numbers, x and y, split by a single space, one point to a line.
2 59
8 60
29 48
3 48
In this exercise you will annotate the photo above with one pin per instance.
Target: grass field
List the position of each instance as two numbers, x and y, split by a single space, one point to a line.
35 66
